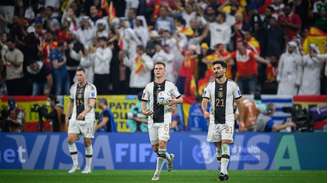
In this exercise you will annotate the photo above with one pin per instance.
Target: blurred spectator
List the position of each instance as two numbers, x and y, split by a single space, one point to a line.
320 14
289 71
291 22
13 59
58 62
102 60
165 21
73 57
247 115
312 65
40 74
141 66
136 121
106 121
265 122
220 31
87 62
246 61
15 117
56 115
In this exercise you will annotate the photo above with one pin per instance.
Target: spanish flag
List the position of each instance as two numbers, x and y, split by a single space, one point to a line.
111 12
139 65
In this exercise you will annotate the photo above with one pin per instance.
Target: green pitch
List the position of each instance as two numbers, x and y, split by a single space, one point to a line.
177 176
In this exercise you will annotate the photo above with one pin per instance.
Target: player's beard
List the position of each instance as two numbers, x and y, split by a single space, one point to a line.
218 76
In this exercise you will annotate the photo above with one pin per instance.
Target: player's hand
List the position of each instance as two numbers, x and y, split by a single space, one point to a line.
172 102
147 112
81 116
206 115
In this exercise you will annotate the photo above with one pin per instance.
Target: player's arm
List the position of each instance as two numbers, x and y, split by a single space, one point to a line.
88 108
204 107
69 110
144 101
144 109
241 116
103 122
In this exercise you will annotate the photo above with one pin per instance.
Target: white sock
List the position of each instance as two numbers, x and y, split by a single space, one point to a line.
73 151
88 156
159 165
225 158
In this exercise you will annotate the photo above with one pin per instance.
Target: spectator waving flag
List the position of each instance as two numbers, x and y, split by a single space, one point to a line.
139 64
111 12
109 8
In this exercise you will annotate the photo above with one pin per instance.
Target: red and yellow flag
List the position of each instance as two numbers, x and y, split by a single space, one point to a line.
111 12
139 65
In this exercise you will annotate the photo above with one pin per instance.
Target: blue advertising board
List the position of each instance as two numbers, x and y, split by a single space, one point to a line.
255 151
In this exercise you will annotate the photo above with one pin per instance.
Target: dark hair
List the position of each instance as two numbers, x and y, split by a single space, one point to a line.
103 101
160 63
140 47
222 63
80 69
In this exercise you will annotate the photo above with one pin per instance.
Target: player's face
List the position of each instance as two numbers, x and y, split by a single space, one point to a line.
80 76
159 71
218 70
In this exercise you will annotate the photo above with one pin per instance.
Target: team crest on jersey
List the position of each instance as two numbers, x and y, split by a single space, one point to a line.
93 94
220 94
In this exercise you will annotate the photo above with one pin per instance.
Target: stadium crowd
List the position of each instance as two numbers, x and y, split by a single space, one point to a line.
118 41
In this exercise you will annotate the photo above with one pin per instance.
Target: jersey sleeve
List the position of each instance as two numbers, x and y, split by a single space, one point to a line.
206 92
146 94
175 92
93 92
71 93
236 92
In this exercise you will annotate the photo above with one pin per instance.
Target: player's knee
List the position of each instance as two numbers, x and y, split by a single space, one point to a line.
87 142
162 144
226 142
71 139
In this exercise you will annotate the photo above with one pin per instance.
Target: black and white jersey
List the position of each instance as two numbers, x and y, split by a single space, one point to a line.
161 113
221 97
80 95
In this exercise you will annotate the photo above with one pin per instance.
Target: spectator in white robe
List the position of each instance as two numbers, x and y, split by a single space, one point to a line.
141 66
312 66
289 71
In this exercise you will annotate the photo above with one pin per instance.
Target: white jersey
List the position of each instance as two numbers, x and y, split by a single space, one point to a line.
80 97
221 97
161 113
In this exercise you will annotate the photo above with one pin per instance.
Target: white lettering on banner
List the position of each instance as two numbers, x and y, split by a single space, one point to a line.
52 151
9 156
32 158
137 153
101 146
21 151
120 151
263 160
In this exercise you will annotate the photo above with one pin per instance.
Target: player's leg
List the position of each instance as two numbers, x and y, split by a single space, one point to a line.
227 139
153 137
73 132
73 152
88 155
88 134
164 136
214 136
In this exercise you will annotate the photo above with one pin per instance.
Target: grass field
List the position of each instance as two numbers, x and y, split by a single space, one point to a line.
177 176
